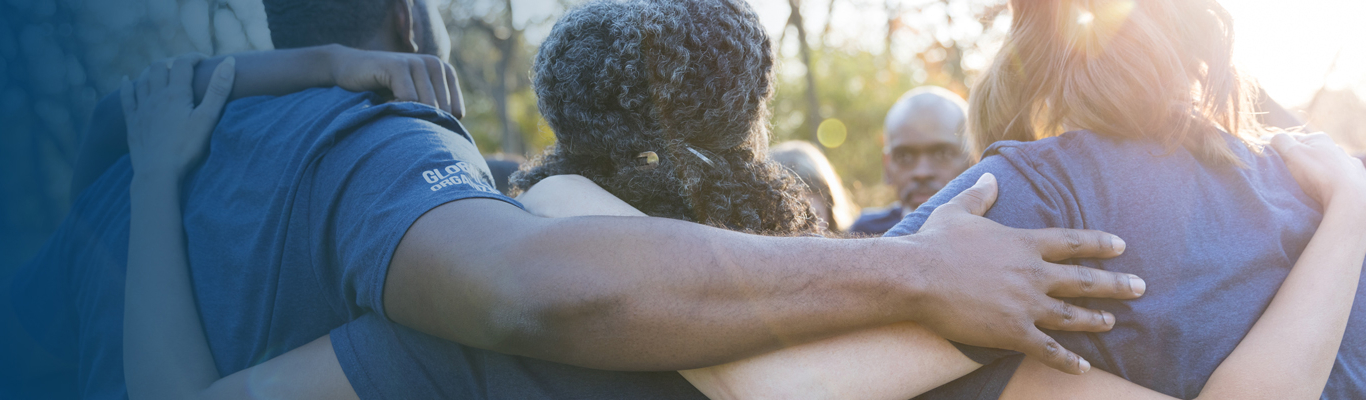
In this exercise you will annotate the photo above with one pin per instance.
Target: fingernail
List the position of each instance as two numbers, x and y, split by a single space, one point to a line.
1118 244
1109 318
985 179
1137 284
1084 365
230 61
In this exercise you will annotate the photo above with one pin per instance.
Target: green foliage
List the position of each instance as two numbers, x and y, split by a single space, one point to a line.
854 84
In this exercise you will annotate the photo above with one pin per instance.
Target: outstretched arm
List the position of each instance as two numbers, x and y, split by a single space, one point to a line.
409 77
897 361
633 293
1289 352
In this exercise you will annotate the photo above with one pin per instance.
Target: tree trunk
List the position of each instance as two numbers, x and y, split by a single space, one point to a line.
813 104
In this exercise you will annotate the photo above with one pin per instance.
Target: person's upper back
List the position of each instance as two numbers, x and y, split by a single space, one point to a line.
291 222
1213 242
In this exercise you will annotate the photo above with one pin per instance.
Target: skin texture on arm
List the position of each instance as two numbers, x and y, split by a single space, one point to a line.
897 361
409 77
623 293
166 355
1289 352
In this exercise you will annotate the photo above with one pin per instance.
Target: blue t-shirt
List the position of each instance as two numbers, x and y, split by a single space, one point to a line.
373 351
1213 242
877 222
291 223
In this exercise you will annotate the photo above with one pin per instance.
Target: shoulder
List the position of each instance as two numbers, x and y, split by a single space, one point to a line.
893 211
877 221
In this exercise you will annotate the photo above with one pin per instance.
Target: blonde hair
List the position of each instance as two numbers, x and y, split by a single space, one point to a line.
1154 69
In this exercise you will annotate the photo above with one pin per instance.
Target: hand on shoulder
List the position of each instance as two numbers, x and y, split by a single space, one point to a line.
1323 169
166 132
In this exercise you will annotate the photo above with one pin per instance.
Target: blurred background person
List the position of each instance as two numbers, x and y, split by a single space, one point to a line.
502 165
825 192
924 151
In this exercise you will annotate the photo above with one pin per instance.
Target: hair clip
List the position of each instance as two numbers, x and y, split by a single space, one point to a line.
699 155
651 160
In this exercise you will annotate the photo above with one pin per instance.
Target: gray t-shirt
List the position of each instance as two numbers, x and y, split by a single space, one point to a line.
1213 242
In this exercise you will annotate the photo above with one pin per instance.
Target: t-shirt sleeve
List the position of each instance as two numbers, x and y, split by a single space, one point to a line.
1020 203
369 188
384 360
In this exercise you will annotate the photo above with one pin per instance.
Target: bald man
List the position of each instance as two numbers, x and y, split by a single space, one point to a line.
924 151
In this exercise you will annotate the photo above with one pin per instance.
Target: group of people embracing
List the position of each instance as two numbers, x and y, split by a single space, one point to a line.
315 222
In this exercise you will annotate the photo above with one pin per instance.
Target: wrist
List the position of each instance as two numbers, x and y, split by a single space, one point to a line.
331 58
1347 198
895 275
156 178
1348 205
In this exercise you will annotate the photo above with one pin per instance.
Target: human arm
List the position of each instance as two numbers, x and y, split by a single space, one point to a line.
657 294
410 77
1290 350
166 354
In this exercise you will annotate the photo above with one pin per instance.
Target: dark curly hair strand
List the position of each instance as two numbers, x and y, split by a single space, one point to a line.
619 77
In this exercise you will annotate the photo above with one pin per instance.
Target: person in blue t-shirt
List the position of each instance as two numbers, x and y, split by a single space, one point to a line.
915 362
1134 121
923 150
323 220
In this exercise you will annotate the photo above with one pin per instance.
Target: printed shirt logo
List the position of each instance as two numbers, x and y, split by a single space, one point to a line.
461 173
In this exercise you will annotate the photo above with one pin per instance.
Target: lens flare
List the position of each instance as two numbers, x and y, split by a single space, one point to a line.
831 133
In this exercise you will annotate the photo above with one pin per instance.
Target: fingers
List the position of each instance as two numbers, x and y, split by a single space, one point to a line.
1067 317
1057 244
1316 138
1078 281
144 90
128 97
978 198
181 80
1283 143
1043 348
401 82
457 98
417 70
220 87
438 80
158 74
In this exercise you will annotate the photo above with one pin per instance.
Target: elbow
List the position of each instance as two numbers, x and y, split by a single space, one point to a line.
559 323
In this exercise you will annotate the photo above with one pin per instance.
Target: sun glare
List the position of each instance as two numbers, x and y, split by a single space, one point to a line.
1295 48
1085 18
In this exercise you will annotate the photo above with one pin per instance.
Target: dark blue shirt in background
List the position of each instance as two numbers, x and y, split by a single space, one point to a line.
1213 243
877 222
291 223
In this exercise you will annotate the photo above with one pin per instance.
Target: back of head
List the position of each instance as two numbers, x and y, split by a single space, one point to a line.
815 171
303 23
929 103
1152 69
688 80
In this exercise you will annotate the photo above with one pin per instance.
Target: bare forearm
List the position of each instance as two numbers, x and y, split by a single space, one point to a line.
165 352
1289 353
259 73
897 361
613 293
272 72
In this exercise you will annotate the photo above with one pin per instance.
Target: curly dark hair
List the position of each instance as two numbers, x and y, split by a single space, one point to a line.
616 78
